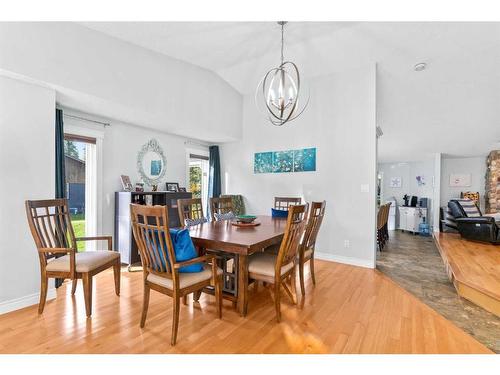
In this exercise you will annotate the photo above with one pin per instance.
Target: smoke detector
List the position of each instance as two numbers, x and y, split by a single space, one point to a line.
420 66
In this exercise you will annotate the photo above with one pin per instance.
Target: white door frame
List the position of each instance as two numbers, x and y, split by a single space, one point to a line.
204 185
94 227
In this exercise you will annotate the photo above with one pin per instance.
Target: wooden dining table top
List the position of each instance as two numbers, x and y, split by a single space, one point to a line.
222 235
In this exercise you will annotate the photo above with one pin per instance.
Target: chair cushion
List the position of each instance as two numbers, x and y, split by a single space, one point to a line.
263 264
279 213
227 216
85 262
185 279
192 222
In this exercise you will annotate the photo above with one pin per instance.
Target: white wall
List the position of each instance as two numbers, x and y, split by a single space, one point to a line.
340 123
476 166
100 74
27 117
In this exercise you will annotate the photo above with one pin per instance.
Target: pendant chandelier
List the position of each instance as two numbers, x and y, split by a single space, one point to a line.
277 94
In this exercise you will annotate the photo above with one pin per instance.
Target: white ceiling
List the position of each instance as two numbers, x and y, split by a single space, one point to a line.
452 107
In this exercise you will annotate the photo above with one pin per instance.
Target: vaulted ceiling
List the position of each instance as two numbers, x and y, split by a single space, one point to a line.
451 107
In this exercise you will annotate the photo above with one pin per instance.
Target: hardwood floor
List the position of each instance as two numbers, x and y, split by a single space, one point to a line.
415 264
474 269
351 310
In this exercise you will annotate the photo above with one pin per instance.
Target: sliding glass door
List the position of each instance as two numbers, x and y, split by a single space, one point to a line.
81 188
198 177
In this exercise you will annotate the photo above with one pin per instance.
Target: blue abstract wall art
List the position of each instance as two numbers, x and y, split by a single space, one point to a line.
263 162
282 161
303 160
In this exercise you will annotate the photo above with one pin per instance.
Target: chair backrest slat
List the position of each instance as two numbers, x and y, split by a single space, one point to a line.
50 225
316 214
284 203
386 213
294 231
189 209
383 215
152 235
222 205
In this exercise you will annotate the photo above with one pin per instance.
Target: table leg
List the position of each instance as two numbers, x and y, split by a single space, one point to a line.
242 284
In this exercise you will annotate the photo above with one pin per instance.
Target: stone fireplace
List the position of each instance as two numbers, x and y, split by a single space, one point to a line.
492 177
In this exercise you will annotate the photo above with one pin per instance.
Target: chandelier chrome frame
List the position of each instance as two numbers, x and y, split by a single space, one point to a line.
282 110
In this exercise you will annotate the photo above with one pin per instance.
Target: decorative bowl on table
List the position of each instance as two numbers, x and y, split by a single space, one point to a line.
247 219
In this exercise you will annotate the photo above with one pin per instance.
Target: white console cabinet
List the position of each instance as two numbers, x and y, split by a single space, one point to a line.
411 217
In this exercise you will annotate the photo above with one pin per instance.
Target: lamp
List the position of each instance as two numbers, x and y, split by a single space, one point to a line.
277 94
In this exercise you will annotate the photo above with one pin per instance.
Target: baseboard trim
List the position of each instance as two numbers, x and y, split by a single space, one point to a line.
342 259
22 302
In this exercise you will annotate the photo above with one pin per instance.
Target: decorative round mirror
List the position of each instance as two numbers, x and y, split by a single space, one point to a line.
151 163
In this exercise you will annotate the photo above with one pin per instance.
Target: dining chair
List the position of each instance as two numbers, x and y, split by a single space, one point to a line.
160 267
52 231
380 214
284 203
382 219
277 269
219 207
385 229
190 211
306 252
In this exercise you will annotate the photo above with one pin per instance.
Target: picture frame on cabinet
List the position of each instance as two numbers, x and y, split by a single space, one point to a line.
126 183
172 186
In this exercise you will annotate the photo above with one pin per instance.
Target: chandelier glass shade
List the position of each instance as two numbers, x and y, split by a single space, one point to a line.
277 94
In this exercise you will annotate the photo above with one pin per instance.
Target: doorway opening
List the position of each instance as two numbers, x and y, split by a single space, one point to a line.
80 171
198 177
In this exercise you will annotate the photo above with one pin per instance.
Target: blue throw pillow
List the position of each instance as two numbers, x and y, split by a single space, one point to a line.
183 248
279 213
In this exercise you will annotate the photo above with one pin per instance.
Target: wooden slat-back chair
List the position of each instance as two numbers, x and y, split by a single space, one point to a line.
160 268
220 206
382 230
385 227
50 225
380 224
276 269
189 209
306 253
284 203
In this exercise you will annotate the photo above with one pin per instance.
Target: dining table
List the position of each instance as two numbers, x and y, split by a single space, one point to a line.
224 236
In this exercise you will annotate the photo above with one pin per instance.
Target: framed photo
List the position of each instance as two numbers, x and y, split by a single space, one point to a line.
182 189
172 186
126 184
460 180
395 182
